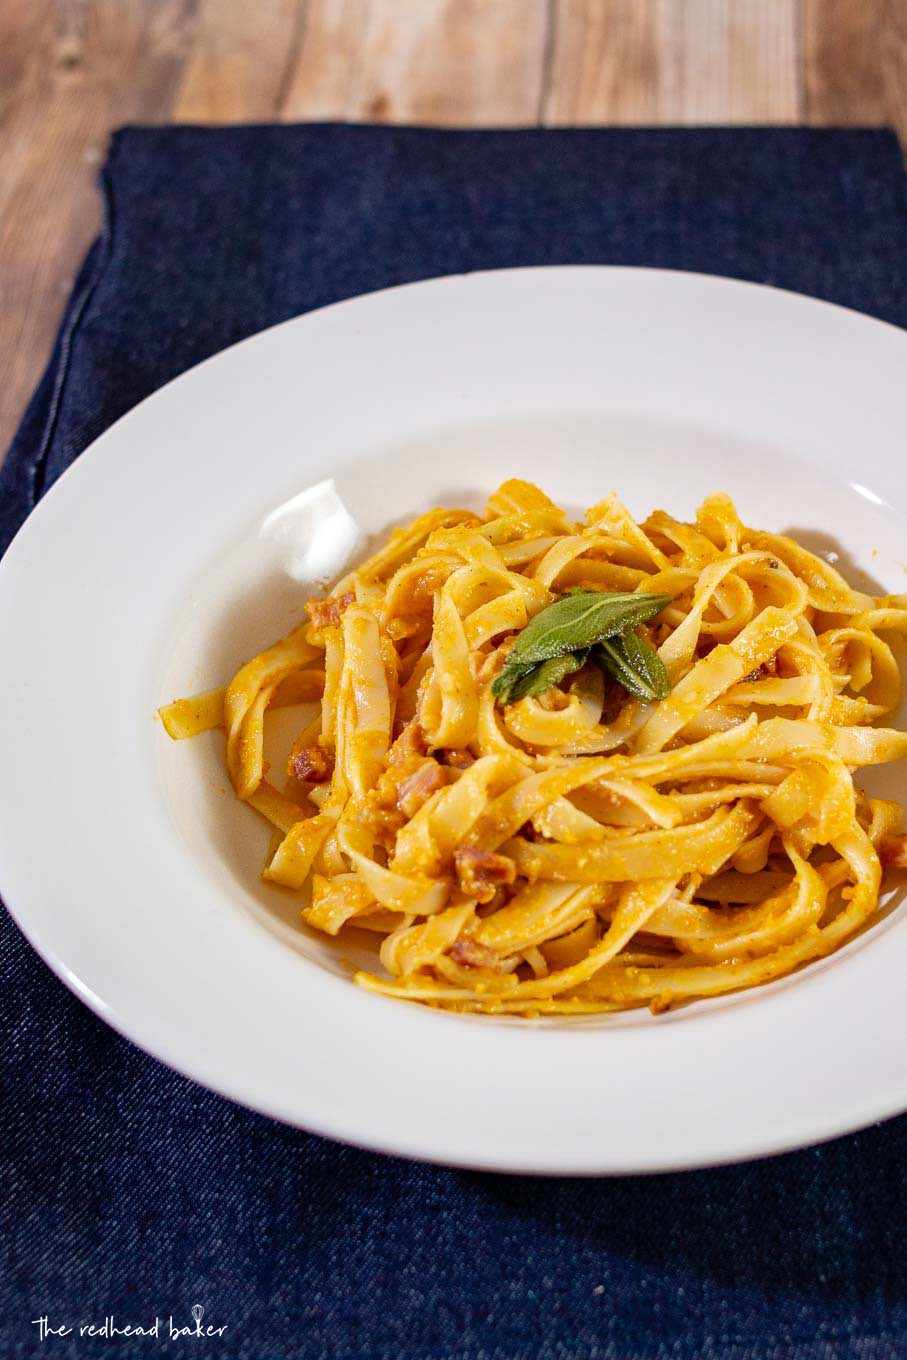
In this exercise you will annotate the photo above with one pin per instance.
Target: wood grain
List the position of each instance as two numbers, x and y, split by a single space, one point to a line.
454 62
656 61
72 69
85 69
237 67
322 83
855 62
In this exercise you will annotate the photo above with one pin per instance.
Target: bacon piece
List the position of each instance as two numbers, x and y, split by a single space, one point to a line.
382 819
310 765
326 613
769 667
472 954
409 743
416 789
458 760
481 872
893 852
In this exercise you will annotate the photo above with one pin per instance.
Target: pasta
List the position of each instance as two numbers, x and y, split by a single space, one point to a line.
535 815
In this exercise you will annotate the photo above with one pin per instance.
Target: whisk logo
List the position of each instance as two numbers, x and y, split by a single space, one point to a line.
196 1327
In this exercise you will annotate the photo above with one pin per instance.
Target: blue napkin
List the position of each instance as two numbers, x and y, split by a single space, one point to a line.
131 1193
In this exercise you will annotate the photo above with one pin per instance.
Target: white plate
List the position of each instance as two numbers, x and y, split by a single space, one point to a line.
141 577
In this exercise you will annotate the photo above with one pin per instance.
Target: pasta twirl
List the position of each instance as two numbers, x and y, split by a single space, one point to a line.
577 849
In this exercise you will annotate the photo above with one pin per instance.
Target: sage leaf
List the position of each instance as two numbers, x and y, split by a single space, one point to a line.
575 621
636 666
503 685
546 675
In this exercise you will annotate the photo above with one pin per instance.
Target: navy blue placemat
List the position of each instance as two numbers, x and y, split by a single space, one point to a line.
130 1191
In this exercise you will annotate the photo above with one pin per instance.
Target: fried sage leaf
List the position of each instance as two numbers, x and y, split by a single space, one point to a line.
547 674
635 665
575 621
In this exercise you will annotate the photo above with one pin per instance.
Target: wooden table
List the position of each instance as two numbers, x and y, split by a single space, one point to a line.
72 69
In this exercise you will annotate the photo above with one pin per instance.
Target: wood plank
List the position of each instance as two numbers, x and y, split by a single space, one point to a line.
22 26
662 61
324 80
241 57
91 65
450 62
855 57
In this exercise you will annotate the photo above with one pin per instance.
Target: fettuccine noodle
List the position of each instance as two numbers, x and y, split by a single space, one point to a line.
579 850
